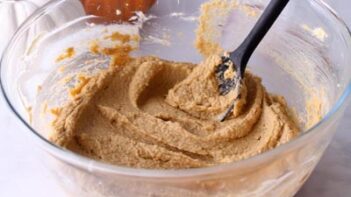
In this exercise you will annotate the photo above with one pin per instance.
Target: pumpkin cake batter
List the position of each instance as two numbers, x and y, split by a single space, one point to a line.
153 113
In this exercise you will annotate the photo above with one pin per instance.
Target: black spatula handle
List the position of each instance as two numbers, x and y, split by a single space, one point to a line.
242 54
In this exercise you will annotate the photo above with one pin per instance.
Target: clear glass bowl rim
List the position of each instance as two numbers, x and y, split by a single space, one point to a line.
93 165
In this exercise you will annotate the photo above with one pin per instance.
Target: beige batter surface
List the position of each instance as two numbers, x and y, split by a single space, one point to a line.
153 113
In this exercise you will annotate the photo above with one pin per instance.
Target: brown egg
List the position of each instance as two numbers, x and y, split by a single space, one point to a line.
116 10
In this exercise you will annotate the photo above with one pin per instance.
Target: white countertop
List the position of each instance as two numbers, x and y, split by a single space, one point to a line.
21 174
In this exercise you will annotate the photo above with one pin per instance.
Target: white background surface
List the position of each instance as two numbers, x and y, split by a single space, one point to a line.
21 174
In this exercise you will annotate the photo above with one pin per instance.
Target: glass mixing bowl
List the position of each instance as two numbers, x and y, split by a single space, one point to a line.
304 56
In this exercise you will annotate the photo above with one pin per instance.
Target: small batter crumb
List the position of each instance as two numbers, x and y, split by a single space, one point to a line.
94 47
70 52
82 82
30 114
317 32
123 38
62 68
249 10
56 111
39 88
44 107
314 110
